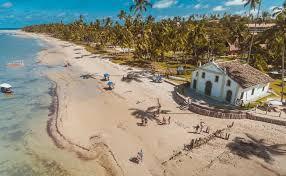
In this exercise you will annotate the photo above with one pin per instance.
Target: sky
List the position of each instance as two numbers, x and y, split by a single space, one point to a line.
19 13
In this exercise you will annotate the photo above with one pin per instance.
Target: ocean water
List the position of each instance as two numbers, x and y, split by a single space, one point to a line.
25 148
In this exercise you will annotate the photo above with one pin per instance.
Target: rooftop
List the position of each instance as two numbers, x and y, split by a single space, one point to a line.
245 75
262 25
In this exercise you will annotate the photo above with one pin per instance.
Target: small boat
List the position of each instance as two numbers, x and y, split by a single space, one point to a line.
6 88
16 63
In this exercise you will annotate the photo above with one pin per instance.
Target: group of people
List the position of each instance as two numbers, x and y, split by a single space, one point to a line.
165 121
138 158
140 155
199 128
144 121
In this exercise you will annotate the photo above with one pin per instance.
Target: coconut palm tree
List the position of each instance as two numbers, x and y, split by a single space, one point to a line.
280 14
252 6
265 16
283 67
140 6
122 15
280 11
197 41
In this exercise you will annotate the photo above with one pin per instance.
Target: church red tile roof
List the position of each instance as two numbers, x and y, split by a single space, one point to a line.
245 75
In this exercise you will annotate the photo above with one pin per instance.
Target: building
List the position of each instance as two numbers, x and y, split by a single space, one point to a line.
260 27
230 82
233 48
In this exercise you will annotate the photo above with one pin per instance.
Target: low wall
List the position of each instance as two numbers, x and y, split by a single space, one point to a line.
217 113
180 99
264 119
223 113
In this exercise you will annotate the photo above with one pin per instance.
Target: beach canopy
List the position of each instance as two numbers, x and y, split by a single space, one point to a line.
110 83
5 85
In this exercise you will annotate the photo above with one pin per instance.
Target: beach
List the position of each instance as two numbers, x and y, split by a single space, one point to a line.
102 127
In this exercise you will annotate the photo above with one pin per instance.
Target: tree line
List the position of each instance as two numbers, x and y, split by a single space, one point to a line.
198 38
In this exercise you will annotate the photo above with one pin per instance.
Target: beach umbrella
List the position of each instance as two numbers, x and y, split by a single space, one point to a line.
106 75
110 84
5 85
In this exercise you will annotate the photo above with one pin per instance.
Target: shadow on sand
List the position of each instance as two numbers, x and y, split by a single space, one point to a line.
142 114
149 113
256 147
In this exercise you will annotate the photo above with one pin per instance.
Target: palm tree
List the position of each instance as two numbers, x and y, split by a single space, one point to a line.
122 15
252 6
197 41
283 65
280 14
140 6
265 16
280 11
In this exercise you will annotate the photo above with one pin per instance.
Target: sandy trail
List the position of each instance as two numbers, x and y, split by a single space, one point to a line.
105 123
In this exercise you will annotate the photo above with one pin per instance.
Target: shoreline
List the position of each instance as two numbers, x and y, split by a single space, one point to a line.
100 126
52 123
52 127
54 132
62 142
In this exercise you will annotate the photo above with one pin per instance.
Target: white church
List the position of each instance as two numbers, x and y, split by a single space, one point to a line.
231 82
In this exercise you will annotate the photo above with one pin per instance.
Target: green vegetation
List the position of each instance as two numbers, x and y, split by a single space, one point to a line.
166 44
276 86
252 4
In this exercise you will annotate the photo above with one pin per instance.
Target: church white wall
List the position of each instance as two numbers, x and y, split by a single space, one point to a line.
234 87
220 88
258 92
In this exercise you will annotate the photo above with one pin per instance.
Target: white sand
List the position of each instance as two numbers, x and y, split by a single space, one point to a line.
101 125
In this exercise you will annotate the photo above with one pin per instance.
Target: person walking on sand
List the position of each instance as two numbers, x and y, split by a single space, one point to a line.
169 120
143 122
146 121
140 154
164 121
201 126
197 128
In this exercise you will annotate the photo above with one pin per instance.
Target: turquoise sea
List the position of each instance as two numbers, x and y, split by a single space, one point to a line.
25 148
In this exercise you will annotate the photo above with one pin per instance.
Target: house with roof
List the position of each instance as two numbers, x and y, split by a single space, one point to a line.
258 28
231 82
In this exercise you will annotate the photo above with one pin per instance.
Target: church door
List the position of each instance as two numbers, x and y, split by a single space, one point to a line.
228 96
208 88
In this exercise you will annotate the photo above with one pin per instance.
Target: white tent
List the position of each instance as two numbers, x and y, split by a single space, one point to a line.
5 85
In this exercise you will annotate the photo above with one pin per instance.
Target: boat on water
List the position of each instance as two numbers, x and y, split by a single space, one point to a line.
6 88
16 63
